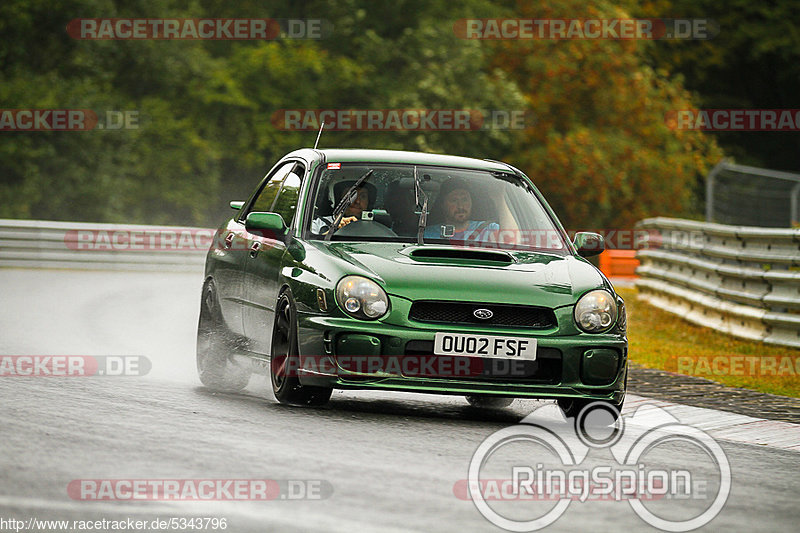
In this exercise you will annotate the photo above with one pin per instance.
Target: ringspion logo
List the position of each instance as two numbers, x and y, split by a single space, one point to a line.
544 461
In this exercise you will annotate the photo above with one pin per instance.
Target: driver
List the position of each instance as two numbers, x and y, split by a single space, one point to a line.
454 206
360 204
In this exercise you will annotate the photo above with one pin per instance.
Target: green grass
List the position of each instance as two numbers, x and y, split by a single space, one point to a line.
664 341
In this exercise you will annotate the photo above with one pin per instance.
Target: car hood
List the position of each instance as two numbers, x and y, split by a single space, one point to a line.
467 274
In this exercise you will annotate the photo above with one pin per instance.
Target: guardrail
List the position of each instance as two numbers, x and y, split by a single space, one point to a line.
89 246
744 281
741 280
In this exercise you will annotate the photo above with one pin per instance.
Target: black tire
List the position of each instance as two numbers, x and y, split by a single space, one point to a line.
489 402
214 347
284 359
573 407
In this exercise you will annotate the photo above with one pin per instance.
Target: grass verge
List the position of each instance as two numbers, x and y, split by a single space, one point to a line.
664 341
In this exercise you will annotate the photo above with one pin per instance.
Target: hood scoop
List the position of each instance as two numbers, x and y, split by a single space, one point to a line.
461 256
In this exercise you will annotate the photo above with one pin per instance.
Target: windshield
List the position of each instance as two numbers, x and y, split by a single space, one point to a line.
465 208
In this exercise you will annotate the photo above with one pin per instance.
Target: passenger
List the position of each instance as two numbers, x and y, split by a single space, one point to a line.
454 207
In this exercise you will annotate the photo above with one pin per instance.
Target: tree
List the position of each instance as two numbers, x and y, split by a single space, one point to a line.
601 149
751 64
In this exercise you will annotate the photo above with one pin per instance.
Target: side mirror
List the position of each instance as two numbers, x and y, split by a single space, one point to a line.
589 244
297 251
237 205
264 221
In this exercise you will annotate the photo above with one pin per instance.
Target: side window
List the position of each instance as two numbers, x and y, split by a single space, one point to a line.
268 193
286 204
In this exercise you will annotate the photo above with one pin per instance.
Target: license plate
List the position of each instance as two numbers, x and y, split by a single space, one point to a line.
489 346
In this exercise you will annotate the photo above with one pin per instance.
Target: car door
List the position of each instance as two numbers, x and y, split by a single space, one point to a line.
262 264
228 255
233 251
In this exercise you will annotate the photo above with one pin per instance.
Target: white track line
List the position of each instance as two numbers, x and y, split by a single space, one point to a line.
723 425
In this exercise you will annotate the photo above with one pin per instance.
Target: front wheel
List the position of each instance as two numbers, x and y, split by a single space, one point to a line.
284 360
214 348
572 407
489 402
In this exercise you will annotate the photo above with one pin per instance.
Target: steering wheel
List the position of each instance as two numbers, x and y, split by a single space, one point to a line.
365 228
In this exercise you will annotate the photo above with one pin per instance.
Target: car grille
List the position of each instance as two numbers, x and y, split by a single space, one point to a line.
546 369
513 316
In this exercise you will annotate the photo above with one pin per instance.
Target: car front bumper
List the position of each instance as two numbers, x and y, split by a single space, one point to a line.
346 353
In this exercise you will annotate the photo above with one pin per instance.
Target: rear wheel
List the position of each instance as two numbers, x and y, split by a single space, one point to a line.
284 360
489 402
215 346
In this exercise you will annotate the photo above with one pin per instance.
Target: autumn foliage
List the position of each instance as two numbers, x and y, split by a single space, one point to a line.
598 146
600 149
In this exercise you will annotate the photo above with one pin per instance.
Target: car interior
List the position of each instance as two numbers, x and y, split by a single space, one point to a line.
392 204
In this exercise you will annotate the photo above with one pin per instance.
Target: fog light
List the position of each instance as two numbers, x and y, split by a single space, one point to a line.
599 366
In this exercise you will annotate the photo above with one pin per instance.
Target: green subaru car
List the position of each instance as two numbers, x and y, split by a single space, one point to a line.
403 271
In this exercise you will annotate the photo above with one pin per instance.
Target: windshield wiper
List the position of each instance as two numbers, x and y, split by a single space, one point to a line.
423 216
348 198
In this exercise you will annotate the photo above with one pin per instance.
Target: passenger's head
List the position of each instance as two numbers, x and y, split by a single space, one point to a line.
455 201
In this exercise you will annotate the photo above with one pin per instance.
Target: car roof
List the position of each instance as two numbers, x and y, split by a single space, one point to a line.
350 155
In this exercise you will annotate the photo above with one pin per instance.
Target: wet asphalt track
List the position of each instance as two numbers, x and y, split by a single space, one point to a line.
391 459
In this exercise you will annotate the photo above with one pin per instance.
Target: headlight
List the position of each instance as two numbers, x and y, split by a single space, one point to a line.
361 298
596 311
